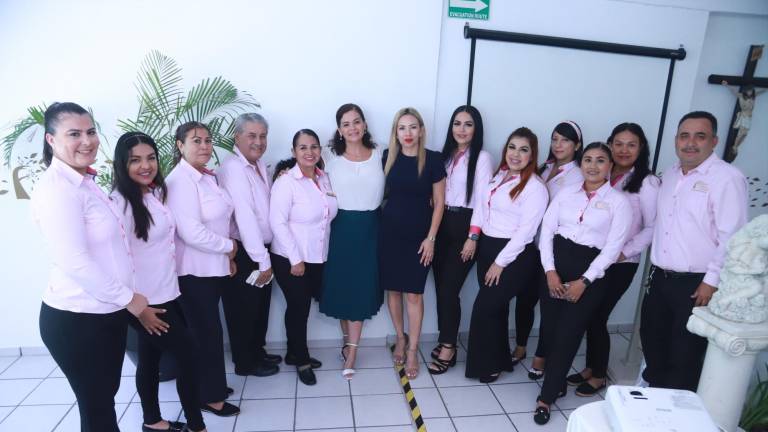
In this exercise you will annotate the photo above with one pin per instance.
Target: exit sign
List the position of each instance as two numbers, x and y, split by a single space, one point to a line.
469 9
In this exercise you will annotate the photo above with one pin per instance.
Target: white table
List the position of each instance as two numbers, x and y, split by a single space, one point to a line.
591 417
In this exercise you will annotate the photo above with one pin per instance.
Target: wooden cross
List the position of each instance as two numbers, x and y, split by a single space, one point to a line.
747 82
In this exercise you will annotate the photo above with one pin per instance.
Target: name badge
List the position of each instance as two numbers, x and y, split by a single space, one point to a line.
602 205
331 194
700 186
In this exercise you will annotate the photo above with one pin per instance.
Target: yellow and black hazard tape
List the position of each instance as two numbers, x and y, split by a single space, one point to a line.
411 399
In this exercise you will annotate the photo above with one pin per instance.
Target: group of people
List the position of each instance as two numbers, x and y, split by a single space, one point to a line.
344 223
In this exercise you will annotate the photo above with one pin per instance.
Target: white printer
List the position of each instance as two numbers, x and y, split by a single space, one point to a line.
645 409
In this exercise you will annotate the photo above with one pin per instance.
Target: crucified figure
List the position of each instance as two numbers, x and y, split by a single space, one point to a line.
744 118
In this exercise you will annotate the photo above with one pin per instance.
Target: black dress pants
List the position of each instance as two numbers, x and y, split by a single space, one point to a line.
298 292
89 349
199 303
450 272
246 309
525 307
567 322
674 356
616 281
180 342
488 346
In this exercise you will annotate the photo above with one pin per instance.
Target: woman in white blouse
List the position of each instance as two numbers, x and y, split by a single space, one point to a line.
509 212
582 234
351 290
83 317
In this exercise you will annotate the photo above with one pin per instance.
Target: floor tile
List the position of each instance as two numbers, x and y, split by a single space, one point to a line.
493 423
516 398
5 362
519 375
373 357
454 377
470 401
133 417
567 413
12 392
237 383
281 385
71 422
430 403
34 418
127 390
30 367
524 422
263 415
327 412
381 410
167 392
375 381
330 430
129 368
330 357
329 383
571 401
427 347
4 411
229 367
52 391
57 373
439 425
423 380
389 429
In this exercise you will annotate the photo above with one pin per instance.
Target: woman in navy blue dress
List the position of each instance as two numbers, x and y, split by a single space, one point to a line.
414 204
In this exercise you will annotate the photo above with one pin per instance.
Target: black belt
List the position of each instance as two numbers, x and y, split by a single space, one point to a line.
669 274
454 209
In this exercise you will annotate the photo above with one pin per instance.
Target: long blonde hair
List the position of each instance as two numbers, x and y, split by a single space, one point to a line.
394 144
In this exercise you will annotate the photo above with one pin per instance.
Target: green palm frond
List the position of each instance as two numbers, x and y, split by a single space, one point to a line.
35 117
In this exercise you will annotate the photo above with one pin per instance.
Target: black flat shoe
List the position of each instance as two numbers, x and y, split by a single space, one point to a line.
535 374
307 376
272 358
489 378
262 369
585 389
291 360
230 391
173 426
228 410
541 415
575 379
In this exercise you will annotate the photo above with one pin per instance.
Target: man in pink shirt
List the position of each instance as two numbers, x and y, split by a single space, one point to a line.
701 203
247 298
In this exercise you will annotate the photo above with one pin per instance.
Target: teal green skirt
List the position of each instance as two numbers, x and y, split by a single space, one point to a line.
351 289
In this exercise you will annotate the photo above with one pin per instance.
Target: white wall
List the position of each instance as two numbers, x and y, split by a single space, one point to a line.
301 60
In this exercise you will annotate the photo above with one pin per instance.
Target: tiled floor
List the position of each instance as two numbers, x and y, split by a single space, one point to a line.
35 397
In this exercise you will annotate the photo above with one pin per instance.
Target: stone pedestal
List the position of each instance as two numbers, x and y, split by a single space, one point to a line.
729 365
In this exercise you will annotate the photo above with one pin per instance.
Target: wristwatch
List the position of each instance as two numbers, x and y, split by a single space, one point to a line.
586 281
473 236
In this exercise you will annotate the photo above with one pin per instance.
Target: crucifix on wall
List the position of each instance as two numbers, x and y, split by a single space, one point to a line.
748 84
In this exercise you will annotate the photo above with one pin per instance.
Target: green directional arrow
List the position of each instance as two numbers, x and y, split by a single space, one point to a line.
469 9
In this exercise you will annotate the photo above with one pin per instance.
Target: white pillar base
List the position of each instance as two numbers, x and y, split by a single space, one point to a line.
731 354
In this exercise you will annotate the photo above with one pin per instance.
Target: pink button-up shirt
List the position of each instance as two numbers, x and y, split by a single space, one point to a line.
248 185
92 268
497 215
643 215
602 222
456 180
568 174
300 214
202 211
154 259
696 215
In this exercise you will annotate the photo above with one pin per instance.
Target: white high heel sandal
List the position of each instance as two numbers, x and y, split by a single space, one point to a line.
349 372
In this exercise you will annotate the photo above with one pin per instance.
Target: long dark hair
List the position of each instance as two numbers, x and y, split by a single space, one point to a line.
642 163
450 146
181 135
530 169
338 145
572 131
51 120
128 188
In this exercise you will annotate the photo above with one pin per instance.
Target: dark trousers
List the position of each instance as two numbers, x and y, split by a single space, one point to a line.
525 306
246 309
673 355
199 302
546 304
180 342
298 292
567 322
89 349
450 272
488 347
616 281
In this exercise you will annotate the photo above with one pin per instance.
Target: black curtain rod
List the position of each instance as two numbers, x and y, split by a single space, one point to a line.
503 36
